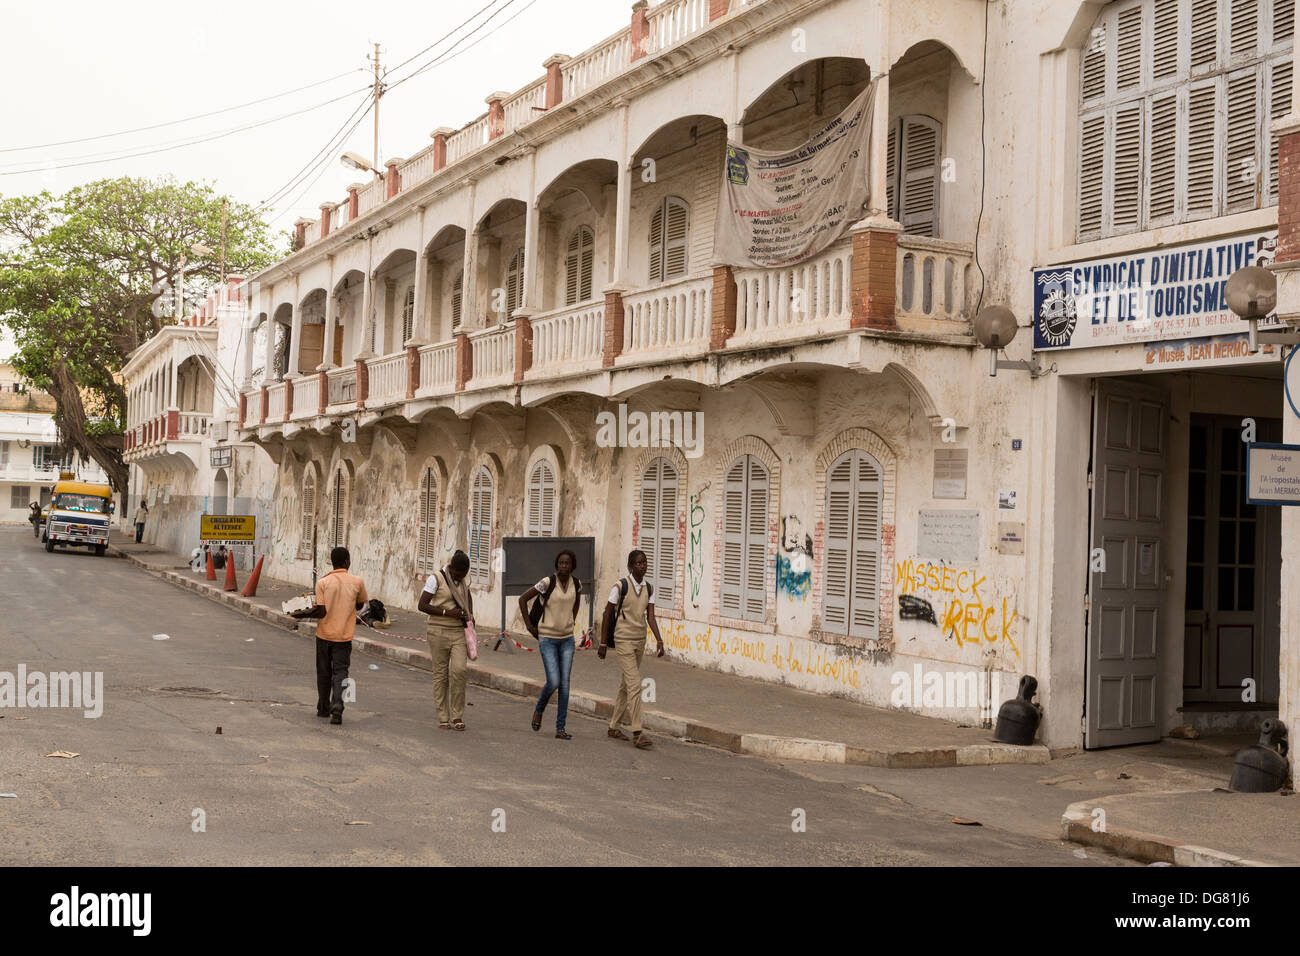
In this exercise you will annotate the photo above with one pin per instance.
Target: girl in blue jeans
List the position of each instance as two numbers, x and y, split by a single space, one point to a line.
560 595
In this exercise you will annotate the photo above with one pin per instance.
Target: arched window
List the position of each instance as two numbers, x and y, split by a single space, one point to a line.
339 518
220 492
515 282
658 528
912 173
426 555
480 528
408 314
744 540
457 294
669 235
1176 99
307 532
540 521
578 260
851 603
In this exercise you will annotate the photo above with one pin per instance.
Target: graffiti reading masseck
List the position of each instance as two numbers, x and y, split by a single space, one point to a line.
966 615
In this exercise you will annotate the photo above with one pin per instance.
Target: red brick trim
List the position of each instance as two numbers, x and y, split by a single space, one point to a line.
322 401
262 421
640 30
1288 198
173 424
288 398
412 370
363 383
723 321
613 328
464 360
523 346
875 264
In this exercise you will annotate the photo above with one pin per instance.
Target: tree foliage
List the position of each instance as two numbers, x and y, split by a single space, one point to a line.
81 278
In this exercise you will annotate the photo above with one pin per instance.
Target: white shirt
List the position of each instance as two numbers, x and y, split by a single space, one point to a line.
613 592
431 585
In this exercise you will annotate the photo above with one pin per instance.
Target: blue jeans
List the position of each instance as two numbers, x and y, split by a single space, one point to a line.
557 658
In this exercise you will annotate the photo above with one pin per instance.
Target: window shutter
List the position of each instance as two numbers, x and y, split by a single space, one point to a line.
571 264
586 264
426 547
836 546
1201 150
1128 49
756 501
1092 191
733 539
514 282
1163 135
340 536
308 515
1279 106
891 173
1244 33
666 559
1243 133
4 454
457 293
1164 46
480 537
648 530
1127 175
540 522
1205 33
578 262
408 315
676 237
657 246
1283 21
919 185
865 601
1094 64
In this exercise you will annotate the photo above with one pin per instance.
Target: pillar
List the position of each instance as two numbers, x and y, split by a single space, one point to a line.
523 346
440 146
326 210
613 324
554 79
464 360
393 180
640 30
722 323
497 113
354 200
875 265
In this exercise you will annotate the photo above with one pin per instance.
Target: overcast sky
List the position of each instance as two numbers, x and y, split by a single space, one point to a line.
77 69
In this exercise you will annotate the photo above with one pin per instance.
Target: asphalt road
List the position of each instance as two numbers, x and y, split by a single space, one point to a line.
278 785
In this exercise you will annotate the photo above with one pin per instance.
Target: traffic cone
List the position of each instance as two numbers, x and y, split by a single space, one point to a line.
250 589
212 574
231 583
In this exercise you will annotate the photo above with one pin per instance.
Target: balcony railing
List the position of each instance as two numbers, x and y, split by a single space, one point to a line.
570 338
667 316
254 406
467 139
674 21
306 396
370 195
437 367
813 296
387 379
593 67
342 385
519 109
935 279
493 355
275 402
193 425
339 216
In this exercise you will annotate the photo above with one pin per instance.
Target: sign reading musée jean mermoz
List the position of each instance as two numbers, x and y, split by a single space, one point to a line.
1272 474
1176 292
779 207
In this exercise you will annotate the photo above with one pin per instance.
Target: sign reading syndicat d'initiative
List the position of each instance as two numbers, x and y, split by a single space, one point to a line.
1172 293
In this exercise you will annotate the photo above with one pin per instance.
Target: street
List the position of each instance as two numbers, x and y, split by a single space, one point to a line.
277 785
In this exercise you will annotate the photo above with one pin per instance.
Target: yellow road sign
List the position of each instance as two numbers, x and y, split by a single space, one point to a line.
227 527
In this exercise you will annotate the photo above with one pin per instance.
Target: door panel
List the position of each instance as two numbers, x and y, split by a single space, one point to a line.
1126 598
310 348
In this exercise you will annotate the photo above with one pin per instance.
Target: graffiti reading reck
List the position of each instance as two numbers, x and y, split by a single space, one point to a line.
968 614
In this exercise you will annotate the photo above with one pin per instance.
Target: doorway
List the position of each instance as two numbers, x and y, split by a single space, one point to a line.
220 493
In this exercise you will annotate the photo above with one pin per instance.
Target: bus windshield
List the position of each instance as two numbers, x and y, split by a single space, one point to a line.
89 503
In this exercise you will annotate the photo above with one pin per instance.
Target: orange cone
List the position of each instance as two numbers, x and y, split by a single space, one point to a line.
250 589
212 574
231 583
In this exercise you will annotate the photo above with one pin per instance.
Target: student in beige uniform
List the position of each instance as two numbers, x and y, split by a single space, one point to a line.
559 594
628 623
447 601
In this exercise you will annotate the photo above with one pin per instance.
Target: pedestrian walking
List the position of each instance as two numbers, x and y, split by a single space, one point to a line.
630 610
550 620
141 515
339 595
450 606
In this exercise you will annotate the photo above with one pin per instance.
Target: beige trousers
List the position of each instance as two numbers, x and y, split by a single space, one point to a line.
627 705
450 657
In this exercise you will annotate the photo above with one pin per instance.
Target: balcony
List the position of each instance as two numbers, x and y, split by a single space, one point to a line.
29 471
172 439
669 321
809 299
935 284
493 356
568 340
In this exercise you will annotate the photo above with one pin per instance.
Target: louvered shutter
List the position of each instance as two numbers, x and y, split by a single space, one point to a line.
1164 45
540 521
1205 34
648 529
1128 49
676 237
339 536
1094 64
1163 138
1244 31
586 264
837 545
1092 185
1126 190
578 260
657 246
457 293
1283 21
666 558
919 176
1201 150
733 539
408 315
308 516
4 454
426 553
1279 106
891 173
756 501
480 538
514 282
1242 181
864 605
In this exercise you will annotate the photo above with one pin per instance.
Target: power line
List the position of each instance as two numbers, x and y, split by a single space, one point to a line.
310 164
179 145
322 166
187 119
451 32
448 55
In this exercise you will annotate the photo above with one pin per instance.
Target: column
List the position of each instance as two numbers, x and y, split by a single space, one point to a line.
875 238
368 306
295 329
469 313
268 354
420 325
623 205
331 318
531 299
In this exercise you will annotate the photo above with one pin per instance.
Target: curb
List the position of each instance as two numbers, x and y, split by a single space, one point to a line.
1077 823
671 725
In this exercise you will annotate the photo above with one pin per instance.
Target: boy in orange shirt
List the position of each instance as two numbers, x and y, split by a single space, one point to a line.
339 595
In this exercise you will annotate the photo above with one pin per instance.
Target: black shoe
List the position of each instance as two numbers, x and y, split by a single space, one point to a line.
336 715
537 720
563 735
322 713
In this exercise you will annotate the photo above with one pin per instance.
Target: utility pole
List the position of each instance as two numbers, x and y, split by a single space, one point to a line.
378 92
223 241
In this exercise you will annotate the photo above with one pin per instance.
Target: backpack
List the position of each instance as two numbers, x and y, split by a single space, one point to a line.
539 604
608 638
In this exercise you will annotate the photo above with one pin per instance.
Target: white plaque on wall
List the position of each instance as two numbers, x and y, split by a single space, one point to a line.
948 535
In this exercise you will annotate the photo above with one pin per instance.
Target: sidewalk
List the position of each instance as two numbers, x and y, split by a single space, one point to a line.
722 710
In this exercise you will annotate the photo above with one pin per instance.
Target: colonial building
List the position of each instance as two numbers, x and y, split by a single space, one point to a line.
429 371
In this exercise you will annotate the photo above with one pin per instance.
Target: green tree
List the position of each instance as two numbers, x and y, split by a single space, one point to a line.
86 278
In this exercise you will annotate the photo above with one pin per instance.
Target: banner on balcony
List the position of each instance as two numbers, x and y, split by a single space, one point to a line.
781 207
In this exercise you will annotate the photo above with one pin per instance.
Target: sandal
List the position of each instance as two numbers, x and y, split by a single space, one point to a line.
563 735
458 725
617 734
444 726
537 720
642 742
